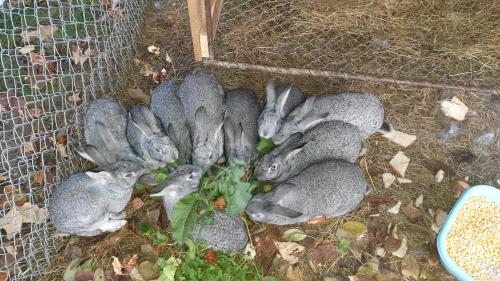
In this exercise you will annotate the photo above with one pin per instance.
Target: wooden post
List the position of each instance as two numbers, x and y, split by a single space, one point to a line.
199 35
216 8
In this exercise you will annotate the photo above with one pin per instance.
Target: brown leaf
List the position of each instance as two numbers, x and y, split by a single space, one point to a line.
46 33
266 247
130 263
74 98
293 273
411 211
62 150
410 267
358 246
399 163
464 156
219 203
138 96
80 56
434 166
377 200
35 112
3 178
136 203
459 186
317 220
401 252
3 276
62 139
210 257
39 178
289 251
323 254
117 266
84 275
391 244
11 223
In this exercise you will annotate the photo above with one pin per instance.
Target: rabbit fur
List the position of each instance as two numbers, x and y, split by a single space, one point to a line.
240 126
166 105
363 110
329 140
280 102
146 136
330 188
91 203
202 98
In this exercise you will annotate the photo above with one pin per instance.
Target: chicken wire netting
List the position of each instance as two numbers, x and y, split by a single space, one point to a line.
453 42
56 56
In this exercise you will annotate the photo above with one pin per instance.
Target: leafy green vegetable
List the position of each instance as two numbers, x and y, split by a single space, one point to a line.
140 186
146 228
344 245
169 267
265 145
186 214
294 235
160 238
160 177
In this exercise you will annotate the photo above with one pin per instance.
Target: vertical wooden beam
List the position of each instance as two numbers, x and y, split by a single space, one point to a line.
198 24
216 8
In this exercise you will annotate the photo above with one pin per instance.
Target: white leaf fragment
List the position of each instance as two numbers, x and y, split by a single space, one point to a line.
395 209
401 252
419 201
454 108
388 179
400 138
154 50
289 251
439 176
399 163
403 180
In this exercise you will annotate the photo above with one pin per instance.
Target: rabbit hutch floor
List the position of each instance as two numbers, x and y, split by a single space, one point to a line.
391 236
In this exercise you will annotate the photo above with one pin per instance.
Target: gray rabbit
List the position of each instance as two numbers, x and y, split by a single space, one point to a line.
91 203
363 110
330 188
329 140
105 128
166 105
145 135
203 100
240 126
278 106
226 233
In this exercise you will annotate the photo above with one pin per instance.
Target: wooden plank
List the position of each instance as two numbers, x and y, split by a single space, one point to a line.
216 10
197 22
208 21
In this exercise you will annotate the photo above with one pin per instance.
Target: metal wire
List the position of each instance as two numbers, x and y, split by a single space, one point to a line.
55 57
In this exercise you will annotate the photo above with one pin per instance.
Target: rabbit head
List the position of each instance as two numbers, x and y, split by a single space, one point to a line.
124 173
262 209
208 145
181 182
270 119
276 163
299 120
238 144
162 149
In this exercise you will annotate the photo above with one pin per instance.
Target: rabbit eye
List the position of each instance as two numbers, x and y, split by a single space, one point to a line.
190 177
129 175
273 167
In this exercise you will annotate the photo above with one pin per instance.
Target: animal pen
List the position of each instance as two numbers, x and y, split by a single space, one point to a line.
57 56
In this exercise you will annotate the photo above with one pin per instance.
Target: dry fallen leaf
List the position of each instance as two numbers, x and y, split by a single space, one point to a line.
400 138
26 49
395 209
454 108
136 203
3 276
219 203
35 112
388 179
80 56
410 267
167 57
137 95
74 98
3 178
84 275
355 228
402 180
399 164
294 235
249 252
439 176
459 186
38 178
391 244
11 223
439 219
117 266
317 220
289 251
159 77
154 50
32 213
411 211
401 252
323 254
46 33
293 273
377 200
419 201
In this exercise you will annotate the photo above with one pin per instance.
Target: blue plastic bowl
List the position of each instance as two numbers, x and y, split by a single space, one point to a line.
485 191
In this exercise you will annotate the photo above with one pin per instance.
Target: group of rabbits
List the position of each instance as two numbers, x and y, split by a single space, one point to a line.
319 139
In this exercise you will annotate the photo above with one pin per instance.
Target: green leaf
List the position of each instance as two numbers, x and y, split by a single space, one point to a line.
294 235
344 245
169 269
146 228
191 255
69 273
160 238
140 186
265 145
186 214
88 265
238 200
160 177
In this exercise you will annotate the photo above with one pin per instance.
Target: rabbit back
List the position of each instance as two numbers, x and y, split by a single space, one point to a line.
240 125
166 105
226 233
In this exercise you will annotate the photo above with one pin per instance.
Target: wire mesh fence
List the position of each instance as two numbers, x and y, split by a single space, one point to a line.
55 57
446 42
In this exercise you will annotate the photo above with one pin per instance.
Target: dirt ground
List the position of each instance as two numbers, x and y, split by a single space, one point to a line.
413 111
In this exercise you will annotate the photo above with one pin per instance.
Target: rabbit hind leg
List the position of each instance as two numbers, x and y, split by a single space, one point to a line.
108 223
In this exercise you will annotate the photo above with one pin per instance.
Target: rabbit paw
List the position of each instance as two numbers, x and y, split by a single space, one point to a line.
112 225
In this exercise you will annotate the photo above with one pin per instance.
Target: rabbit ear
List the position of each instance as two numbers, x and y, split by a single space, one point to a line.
200 117
271 94
151 121
314 119
280 104
292 142
219 128
140 128
160 190
91 153
102 175
292 153
283 211
308 105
